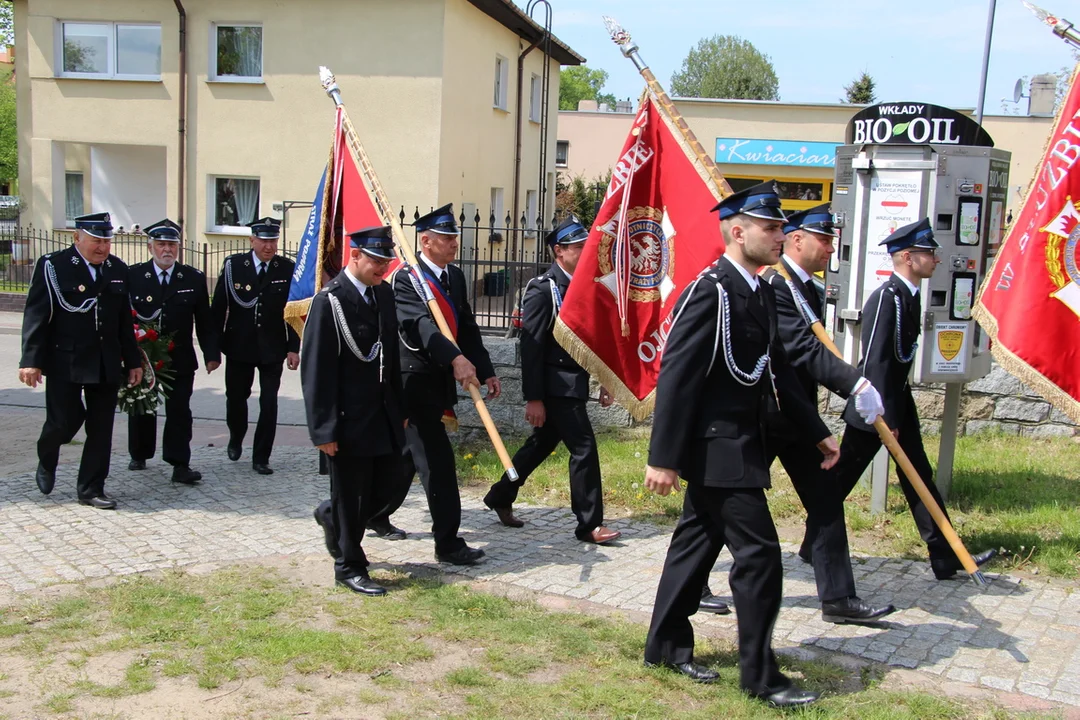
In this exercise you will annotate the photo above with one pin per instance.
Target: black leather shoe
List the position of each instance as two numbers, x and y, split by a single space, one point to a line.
507 517
853 610
137 465
185 475
790 696
234 452
387 531
262 468
947 568
46 479
697 673
328 536
463 556
101 502
712 604
362 584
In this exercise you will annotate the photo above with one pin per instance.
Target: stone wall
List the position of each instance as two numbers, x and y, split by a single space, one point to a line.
12 302
996 403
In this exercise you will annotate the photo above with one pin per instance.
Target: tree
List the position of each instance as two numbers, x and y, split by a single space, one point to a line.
580 198
726 66
579 82
861 90
7 23
9 136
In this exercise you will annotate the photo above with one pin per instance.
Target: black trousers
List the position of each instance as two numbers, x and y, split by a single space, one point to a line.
358 486
176 438
65 414
567 421
711 518
428 453
239 377
857 451
819 493
398 492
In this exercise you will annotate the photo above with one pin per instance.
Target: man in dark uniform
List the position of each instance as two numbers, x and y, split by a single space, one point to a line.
556 391
351 377
174 295
78 332
890 331
249 312
809 244
430 365
709 426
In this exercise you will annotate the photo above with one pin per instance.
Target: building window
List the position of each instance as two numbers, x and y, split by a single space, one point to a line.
531 211
502 75
562 152
119 51
73 197
237 52
236 202
535 100
497 210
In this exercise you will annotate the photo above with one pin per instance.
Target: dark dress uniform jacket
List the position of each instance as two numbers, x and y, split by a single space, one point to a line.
708 425
343 396
546 368
812 362
882 364
81 348
258 335
184 307
425 353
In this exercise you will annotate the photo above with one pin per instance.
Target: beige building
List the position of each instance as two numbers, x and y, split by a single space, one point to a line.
211 111
799 138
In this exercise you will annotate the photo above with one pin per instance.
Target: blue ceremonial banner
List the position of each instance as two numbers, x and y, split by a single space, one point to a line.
794 153
307 256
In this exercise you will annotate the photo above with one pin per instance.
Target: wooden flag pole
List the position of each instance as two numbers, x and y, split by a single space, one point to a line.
405 253
630 49
890 442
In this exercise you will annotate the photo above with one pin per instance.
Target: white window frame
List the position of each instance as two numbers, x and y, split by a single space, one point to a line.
502 80
70 221
211 202
566 159
532 198
212 76
536 89
110 73
498 207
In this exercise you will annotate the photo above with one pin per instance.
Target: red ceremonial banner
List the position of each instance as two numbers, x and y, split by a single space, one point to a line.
1029 303
652 236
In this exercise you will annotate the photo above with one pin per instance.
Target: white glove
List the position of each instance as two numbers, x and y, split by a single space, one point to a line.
868 404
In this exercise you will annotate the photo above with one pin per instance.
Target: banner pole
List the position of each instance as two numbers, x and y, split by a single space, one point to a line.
629 49
404 250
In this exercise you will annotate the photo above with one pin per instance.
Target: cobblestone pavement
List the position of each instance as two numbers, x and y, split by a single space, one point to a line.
1013 636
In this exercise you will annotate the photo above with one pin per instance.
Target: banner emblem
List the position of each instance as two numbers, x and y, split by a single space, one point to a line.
652 253
1062 244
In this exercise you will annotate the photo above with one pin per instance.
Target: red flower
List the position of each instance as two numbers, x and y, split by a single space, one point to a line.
133 313
136 326
172 346
151 334
159 364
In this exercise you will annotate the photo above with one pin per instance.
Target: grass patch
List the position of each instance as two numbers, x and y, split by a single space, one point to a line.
1020 494
523 660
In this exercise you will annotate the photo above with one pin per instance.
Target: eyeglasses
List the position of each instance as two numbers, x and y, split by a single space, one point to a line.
936 252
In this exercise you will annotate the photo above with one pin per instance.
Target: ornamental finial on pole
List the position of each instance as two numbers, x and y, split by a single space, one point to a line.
622 38
329 83
1061 27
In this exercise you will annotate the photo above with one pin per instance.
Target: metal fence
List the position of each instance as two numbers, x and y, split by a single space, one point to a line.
497 257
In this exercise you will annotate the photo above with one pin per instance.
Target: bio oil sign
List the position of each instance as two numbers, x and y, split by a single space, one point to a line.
914 124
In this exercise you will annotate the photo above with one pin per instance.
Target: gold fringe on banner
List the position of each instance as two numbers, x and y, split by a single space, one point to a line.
586 358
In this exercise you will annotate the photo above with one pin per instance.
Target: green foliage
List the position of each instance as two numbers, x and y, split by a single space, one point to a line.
726 66
7 23
9 135
580 198
860 91
579 82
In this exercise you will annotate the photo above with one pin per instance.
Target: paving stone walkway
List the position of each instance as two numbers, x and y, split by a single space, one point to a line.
1012 636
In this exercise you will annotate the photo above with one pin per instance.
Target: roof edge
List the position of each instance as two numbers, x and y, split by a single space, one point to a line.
514 18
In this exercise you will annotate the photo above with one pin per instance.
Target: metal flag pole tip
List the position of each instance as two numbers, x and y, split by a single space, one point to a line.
979 579
1061 27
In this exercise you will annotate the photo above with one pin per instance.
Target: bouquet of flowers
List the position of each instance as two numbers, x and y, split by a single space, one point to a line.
144 398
